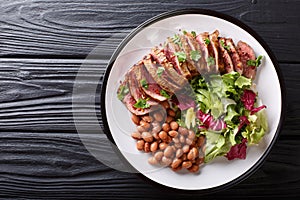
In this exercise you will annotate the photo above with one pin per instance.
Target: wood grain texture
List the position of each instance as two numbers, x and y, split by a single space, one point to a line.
37 94
57 28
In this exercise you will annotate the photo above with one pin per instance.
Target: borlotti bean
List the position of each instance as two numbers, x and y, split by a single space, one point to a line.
168 143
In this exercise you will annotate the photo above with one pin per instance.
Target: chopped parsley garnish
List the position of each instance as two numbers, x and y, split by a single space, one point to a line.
165 94
207 41
142 103
210 61
123 90
193 33
159 71
227 47
256 62
195 55
176 40
181 56
144 83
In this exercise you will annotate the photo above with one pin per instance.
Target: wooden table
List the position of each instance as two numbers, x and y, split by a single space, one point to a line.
43 43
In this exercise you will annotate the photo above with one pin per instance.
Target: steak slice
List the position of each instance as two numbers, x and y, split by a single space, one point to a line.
159 79
235 57
247 53
134 87
160 57
129 101
134 90
226 57
152 89
219 64
202 39
170 50
186 48
195 46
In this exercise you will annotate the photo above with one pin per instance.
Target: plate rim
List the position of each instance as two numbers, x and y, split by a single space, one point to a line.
234 21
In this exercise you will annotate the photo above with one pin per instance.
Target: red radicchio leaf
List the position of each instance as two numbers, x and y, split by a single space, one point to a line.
248 99
206 119
238 151
202 127
243 120
255 110
209 122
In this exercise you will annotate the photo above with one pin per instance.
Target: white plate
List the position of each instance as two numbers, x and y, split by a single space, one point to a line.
220 173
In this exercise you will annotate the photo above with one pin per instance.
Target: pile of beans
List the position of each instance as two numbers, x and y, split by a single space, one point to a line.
170 144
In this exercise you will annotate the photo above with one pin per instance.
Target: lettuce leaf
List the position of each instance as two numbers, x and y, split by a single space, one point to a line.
262 120
216 145
231 113
227 102
257 128
243 82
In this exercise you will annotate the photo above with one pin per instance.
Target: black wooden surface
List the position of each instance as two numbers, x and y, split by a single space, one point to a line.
42 46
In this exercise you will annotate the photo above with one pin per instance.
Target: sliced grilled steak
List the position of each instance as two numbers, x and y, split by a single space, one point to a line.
226 57
135 90
246 53
170 50
219 64
195 46
129 101
160 57
238 65
186 49
159 79
203 40
152 89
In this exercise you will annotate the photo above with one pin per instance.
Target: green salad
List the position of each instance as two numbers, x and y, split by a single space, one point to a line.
227 111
